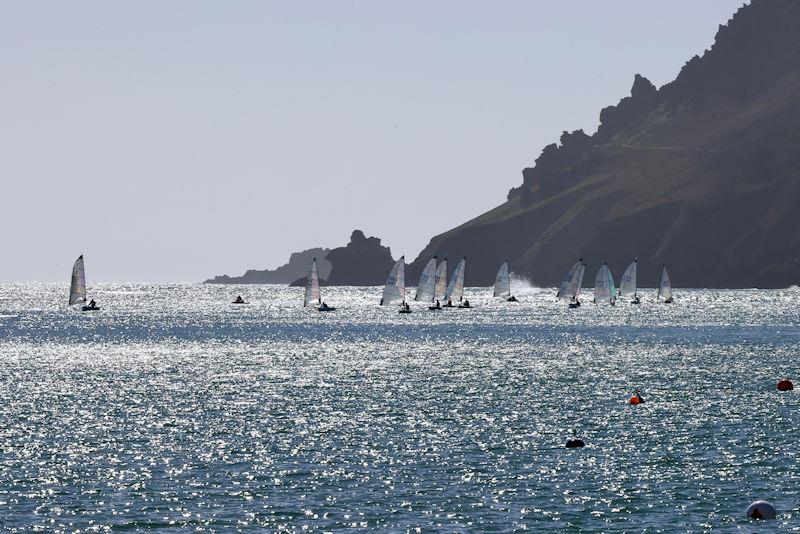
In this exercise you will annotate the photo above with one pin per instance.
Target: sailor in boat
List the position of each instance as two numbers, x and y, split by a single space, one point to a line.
92 304
437 306
465 304
449 304
405 308
238 300
512 298
575 303
636 299
668 301
324 307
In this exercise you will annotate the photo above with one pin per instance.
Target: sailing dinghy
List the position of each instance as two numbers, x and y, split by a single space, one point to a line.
604 290
627 285
455 288
664 286
440 286
571 285
427 282
77 287
395 290
313 295
502 283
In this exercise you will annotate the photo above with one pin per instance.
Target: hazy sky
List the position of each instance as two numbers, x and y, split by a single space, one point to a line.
178 140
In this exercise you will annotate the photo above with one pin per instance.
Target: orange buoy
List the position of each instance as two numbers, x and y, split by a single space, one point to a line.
634 400
785 385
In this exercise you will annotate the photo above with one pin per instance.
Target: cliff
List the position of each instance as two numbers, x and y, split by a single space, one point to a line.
298 265
702 174
362 262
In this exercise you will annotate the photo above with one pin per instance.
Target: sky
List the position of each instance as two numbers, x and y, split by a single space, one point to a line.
173 141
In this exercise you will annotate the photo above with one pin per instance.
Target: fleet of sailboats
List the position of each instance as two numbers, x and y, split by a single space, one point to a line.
431 286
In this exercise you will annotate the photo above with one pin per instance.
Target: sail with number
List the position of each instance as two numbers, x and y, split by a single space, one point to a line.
441 280
604 290
312 285
571 285
627 286
77 286
665 287
427 282
455 289
395 290
502 282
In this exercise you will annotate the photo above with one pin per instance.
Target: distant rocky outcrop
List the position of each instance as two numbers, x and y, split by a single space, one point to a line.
363 262
702 174
298 265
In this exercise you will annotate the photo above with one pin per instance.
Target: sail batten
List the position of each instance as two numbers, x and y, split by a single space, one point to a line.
455 289
502 282
426 287
312 285
395 290
77 286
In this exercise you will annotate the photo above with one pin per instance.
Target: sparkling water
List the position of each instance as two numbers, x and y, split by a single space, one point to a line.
172 407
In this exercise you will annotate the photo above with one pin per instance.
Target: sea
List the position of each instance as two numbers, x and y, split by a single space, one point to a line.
171 408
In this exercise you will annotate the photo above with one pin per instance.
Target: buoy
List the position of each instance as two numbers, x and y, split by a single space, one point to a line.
785 385
634 400
761 510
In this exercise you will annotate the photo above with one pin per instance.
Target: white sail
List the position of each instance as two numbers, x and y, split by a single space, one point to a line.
604 291
77 286
312 285
665 287
502 282
441 280
627 286
395 290
455 289
571 285
427 282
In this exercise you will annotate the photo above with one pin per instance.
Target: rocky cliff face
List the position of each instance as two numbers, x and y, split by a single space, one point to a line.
363 262
702 174
298 265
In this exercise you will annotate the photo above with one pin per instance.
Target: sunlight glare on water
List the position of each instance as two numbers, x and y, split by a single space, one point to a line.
171 407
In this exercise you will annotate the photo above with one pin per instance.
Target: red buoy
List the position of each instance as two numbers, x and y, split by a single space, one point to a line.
634 400
785 385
